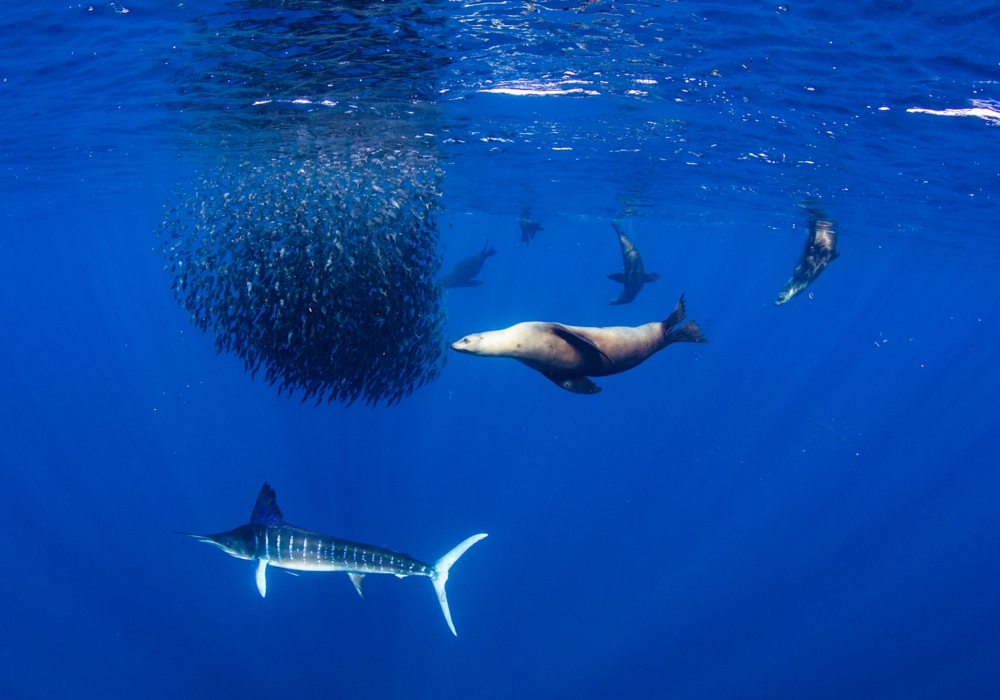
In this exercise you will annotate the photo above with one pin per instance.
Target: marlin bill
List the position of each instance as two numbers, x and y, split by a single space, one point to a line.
268 539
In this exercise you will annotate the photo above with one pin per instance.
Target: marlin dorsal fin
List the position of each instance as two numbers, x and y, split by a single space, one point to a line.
265 510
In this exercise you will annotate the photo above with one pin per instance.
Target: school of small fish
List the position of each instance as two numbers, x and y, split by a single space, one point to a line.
319 271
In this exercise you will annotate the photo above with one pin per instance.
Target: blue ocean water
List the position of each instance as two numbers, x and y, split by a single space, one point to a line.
808 506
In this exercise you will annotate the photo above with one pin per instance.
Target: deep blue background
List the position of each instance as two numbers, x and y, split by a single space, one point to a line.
686 533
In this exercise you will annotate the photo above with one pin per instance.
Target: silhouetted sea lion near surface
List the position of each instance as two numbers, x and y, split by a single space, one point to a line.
528 227
635 276
462 273
567 355
820 251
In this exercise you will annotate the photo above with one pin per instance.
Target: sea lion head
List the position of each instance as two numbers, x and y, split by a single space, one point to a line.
792 289
481 344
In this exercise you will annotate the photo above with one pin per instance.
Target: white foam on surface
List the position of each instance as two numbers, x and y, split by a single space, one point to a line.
540 89
984 109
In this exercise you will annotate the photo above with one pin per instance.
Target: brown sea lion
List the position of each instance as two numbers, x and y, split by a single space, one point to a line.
461 275
567 355
820 251
529 228
635 276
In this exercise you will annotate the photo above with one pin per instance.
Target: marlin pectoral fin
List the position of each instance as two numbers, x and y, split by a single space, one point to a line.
359 583
585 345
618 277
261 578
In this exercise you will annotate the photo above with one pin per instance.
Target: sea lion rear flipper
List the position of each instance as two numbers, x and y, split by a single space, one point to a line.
676 316
585 345
617 277
629 253
578 385
685 333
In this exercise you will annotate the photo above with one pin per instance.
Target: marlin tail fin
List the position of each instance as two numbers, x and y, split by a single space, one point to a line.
440 575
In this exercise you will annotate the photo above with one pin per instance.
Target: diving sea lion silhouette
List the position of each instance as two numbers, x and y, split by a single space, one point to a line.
820 251
528 227
635 276
462 273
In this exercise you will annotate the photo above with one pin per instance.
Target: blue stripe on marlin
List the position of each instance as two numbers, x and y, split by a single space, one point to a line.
268 540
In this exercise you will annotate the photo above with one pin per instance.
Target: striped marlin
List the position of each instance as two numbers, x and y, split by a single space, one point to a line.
268 539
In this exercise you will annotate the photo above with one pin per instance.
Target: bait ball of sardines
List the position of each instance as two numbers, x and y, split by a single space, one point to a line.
321 272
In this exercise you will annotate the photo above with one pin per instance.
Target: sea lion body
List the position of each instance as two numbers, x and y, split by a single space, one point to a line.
820 251
567 355
635 277
544 347
462 273
529 228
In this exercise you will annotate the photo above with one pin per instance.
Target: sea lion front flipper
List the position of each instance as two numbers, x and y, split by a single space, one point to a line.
650 277
585 345
578 385
618 277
